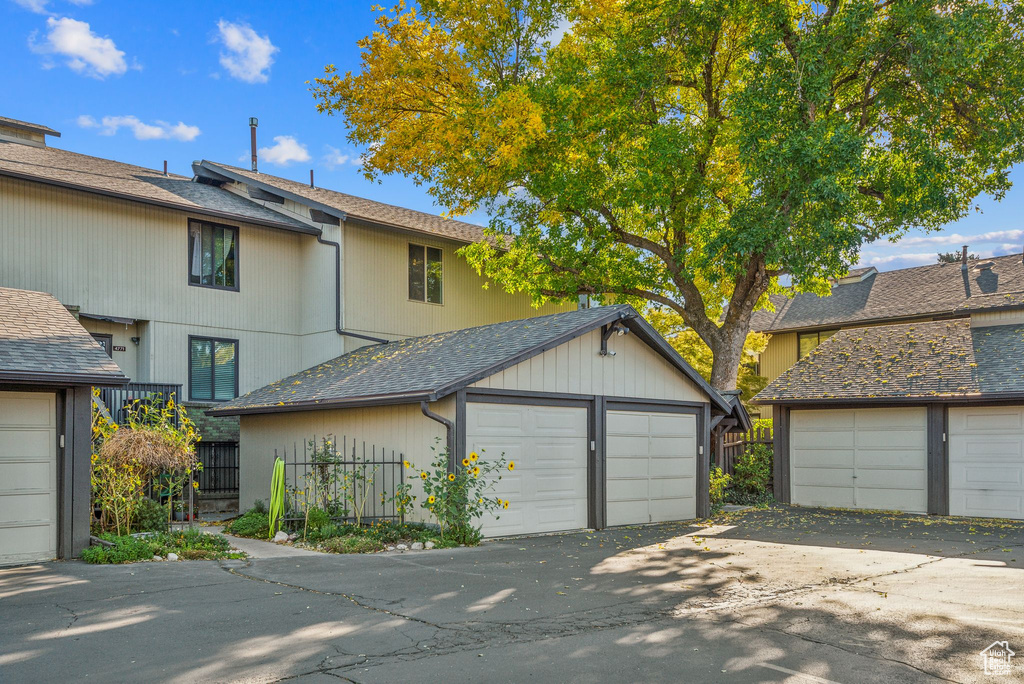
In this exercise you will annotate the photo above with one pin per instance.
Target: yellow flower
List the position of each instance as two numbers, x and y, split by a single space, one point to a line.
451 477
465 462
481 500
195 485
431 499
476 472
473 456
505 505
511 465
423 475
406 464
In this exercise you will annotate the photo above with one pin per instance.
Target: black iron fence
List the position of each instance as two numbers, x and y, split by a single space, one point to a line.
220 468
117 400
351 481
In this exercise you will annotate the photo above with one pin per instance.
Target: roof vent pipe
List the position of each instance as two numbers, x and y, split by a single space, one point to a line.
165 167
963 259
253 123
311 179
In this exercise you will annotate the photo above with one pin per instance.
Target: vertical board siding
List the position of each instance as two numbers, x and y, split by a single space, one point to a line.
376 286
402 428
576 367
779 355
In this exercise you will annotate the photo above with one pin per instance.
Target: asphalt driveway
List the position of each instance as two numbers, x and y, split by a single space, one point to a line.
788 594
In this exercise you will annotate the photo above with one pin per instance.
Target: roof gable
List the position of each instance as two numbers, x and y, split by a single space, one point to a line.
433 366
40 341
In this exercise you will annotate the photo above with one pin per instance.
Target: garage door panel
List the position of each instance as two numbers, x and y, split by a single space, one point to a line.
822 420
547 490
986 462
891 499
825 458
870 438
893 479
650 467
825 477
890 419
894 459
806 495
28 477
627 467
824 439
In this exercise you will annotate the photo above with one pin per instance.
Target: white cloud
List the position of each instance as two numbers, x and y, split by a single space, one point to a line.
86 52
249 55
81 3
158 130
958 239
285 150
335 158
37 6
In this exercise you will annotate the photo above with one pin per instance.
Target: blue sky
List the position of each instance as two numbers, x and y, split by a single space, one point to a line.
142 82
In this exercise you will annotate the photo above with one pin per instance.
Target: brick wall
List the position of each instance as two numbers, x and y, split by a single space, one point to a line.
211 428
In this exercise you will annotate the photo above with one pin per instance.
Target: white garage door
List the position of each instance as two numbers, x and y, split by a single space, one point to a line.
652 467
860 458
986 462
28 477
548 488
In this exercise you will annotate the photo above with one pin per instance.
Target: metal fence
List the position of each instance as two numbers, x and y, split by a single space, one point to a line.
350 480
734 444
220 467
116 400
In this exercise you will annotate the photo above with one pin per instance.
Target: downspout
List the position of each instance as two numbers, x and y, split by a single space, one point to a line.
449 427
337 293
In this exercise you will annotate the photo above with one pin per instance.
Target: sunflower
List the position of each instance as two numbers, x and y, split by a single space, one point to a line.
504 504
476 471
423 475
406 464
465 463
431 499
451 477
511 465
473 456
481 501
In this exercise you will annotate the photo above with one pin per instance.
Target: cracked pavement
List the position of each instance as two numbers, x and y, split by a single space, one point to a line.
782 595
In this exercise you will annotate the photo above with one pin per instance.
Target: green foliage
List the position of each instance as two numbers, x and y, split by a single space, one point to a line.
259 506
718 484
253 524
753 470
317 518
188 544
277 486
150 516
689 153
952 257
380 534
351 544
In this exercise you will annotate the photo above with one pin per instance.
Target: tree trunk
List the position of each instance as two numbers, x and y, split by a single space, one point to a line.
727 352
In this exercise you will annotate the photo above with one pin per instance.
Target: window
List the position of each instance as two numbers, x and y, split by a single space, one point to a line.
105 341
212 260
212 369
425 274
808 341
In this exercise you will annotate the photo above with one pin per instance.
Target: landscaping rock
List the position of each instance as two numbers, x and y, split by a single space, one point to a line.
429 545
292 537
402 547
390 547
280 537
417 546
158 557
172 556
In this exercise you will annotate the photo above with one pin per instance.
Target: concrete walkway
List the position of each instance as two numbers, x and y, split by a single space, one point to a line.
258 548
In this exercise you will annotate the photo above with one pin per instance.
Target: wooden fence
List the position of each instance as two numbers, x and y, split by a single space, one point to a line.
733 444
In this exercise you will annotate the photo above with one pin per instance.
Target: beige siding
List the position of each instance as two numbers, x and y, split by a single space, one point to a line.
984 319
376 286
576 367
402 428
779 355
118 258
121 336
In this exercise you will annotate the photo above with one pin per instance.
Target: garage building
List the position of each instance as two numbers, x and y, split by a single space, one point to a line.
48 363
922 418
606 423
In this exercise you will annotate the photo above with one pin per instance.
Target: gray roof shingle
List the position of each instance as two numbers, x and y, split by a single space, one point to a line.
40 341
104 176
940 359
28 126
901 294
356 207
432 366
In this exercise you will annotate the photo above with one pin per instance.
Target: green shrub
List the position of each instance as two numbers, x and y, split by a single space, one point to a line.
260 506
188 544
351 544
753 470
150 516
317 518
125 550
253 524
719 483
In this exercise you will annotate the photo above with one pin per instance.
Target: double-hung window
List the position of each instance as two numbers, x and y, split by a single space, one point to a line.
425 274
212 255
212 369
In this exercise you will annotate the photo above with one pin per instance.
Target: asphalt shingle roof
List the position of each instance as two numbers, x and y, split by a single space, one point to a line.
41 341
28 125
362 208
433 366
901 294
93 174
907 361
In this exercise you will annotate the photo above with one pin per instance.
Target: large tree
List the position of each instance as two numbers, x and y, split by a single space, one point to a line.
690 153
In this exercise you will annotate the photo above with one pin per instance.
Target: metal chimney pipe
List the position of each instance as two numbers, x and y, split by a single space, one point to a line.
311 179
963 258
253 123
165 167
